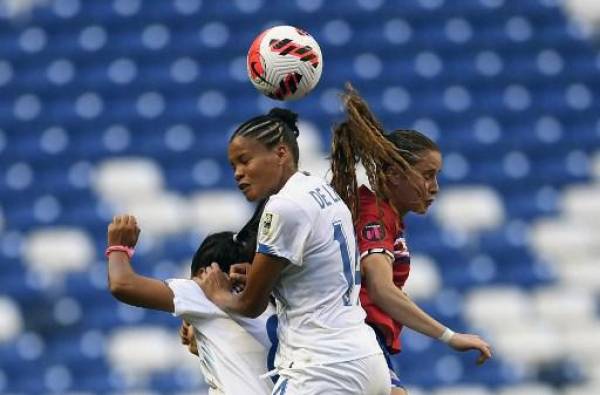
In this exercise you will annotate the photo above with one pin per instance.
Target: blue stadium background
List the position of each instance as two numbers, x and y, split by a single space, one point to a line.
509 89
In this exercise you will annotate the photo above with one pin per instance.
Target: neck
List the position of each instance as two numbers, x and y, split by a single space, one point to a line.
285 176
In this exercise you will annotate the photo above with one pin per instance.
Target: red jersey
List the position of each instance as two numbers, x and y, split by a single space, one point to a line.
381 231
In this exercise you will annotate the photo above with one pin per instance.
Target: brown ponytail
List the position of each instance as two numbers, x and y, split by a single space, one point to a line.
360 137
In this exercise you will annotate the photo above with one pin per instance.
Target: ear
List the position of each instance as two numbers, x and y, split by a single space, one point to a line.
283 152
396 178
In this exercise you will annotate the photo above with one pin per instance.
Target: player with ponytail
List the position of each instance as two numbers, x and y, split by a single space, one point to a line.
402 169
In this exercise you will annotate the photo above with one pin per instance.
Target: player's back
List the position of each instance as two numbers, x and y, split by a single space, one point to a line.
320 319
232 349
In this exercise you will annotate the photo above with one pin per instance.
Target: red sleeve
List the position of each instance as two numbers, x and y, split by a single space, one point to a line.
375 233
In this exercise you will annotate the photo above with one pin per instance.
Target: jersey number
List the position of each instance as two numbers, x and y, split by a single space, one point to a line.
351 272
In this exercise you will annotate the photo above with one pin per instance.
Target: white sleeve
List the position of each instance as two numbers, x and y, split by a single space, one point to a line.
283 231
189 300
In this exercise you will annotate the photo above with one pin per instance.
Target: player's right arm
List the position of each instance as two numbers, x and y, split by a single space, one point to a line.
124 283
378 275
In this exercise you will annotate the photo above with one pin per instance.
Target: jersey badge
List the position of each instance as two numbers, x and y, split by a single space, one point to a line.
268 224
373 231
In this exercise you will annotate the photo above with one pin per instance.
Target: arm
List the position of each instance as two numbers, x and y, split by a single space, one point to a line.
377 273
389 298
124 283
254 299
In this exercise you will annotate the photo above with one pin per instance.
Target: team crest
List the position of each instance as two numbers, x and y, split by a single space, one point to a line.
373 231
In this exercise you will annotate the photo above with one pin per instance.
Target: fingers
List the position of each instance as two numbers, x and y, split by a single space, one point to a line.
238 278
486 353
124 219
241 268
183 336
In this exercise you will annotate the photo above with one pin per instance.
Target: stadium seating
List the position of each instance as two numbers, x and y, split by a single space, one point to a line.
124 105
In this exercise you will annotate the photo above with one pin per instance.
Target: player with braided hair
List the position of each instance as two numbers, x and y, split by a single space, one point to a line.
306 256
402 169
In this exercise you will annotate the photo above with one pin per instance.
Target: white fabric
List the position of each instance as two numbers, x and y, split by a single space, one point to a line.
233 350
320 318
365 376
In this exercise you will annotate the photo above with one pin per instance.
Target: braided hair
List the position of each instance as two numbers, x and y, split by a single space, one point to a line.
278 126
361 138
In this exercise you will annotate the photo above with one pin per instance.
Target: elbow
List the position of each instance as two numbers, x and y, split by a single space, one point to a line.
252 310
119 289
254 313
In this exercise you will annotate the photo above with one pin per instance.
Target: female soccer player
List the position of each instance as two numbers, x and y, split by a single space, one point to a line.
402 168
306 255
232 349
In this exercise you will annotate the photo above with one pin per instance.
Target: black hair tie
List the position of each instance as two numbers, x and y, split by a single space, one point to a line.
288 117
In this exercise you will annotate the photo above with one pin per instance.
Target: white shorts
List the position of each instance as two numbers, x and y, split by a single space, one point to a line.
368 376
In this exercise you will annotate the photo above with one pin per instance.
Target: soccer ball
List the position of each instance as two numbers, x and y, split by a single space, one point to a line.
284 63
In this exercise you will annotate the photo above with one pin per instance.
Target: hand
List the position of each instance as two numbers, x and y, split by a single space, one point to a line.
238 273
123 230
213 282
466 342
187 337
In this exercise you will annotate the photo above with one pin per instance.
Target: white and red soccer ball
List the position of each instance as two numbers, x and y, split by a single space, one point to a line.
284 63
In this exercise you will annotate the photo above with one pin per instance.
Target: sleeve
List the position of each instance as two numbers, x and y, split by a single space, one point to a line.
283 230
374 233
190 302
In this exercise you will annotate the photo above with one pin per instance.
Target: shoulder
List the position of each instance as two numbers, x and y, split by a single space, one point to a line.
190 301
184 286
285 206
373 211
295 197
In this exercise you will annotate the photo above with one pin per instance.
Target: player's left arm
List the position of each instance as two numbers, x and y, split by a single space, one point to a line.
125 284
254 299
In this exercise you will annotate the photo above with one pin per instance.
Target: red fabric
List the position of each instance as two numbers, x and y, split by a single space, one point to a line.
379 229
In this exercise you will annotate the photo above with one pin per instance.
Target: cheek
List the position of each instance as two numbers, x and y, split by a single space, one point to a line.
263 170
405 189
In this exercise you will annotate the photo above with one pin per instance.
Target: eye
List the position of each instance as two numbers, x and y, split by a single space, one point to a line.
429 175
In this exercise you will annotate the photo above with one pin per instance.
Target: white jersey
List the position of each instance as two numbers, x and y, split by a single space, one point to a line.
320 318
232 349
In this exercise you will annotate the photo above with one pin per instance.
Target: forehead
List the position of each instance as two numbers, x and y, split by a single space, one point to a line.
245 145
429 160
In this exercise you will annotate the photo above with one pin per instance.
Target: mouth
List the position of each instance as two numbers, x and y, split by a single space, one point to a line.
243 187
429 202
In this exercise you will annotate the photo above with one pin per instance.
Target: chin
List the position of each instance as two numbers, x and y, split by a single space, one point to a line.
420 210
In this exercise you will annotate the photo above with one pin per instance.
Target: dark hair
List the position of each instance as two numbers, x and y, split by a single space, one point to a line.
360 137
411 143
221 248
278 126
227 248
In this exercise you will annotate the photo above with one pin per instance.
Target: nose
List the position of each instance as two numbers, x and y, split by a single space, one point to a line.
434 187
238 174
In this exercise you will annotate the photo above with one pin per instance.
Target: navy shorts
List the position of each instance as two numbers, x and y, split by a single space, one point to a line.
396 382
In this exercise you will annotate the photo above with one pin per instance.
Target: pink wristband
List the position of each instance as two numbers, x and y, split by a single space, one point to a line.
128 250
